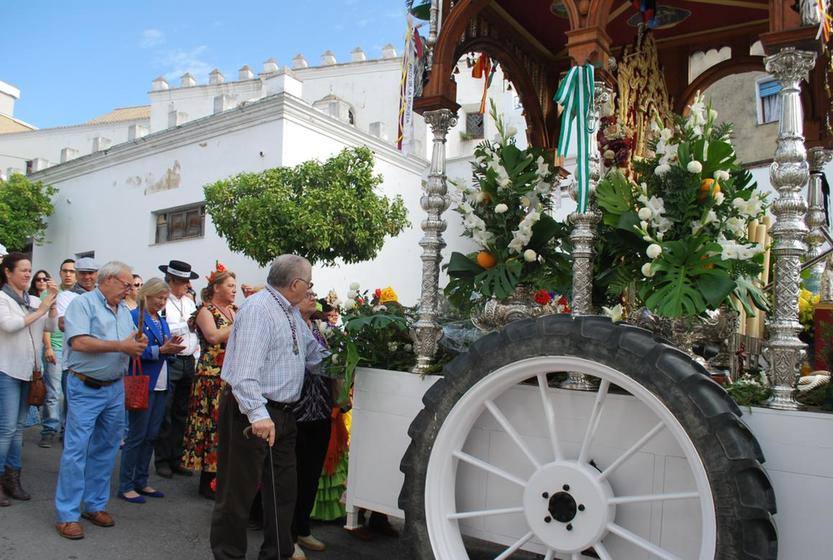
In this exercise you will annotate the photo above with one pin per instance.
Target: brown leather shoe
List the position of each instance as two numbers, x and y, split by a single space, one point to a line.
72 530
100 518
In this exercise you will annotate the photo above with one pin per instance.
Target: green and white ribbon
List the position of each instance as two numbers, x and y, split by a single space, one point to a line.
575 94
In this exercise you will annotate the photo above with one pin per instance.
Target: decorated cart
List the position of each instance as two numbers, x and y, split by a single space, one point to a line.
573 435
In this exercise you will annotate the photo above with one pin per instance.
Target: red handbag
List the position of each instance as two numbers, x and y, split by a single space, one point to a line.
136 388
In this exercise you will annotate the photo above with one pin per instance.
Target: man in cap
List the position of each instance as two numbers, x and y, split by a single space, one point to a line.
181 368
86 273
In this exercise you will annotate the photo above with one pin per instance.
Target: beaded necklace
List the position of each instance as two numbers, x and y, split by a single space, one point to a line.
292 327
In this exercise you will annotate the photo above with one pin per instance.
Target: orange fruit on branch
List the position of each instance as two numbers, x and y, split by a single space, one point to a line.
486 260
708 187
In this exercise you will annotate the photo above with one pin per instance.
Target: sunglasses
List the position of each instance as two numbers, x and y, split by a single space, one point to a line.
41 279
138 285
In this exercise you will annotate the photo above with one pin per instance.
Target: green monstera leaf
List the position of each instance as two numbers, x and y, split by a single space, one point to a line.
689 278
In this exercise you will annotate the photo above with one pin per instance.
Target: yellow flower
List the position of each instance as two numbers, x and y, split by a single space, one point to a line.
388 295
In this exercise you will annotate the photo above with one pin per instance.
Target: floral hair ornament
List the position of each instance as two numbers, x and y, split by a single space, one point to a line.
219 268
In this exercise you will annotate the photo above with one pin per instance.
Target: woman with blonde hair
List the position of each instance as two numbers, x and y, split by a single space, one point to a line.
212 321
143 425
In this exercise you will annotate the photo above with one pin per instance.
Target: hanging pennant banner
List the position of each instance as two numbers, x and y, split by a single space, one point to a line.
575 94
407 87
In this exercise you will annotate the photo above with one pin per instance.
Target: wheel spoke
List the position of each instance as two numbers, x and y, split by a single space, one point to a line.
549 413
512 549
634 448
550 554
640 542
654 498
510 430
602 552
485 512
595 418
465 457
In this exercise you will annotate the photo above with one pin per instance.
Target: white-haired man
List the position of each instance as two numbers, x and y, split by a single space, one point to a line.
266 355
101 338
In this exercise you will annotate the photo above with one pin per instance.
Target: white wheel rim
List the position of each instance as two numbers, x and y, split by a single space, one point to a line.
590 526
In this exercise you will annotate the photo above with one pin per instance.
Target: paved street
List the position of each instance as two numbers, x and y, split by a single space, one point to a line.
175 527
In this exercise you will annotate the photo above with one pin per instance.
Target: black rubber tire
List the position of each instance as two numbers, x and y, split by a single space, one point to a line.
743 494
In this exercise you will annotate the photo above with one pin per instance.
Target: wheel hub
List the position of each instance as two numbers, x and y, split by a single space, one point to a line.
567 506
563 507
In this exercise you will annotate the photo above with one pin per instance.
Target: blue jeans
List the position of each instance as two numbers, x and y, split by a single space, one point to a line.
53 406
141 439
14 408
95 423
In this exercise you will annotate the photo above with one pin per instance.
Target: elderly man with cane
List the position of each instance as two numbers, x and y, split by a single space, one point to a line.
268 350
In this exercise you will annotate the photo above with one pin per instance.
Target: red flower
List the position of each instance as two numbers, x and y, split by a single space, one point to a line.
542 297
378 293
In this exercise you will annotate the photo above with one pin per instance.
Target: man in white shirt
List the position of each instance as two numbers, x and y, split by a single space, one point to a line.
86 278
181 368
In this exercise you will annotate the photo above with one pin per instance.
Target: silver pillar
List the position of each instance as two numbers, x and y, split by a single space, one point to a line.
788 173
427 332
816 157
583 234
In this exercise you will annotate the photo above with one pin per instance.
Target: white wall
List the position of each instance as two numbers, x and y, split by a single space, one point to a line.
109 208
17 147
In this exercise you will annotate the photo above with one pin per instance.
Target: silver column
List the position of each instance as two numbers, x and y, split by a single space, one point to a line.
788 173
427 332
817 158
583 234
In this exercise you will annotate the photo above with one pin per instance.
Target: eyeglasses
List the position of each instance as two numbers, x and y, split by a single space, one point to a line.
125 285
307 282
312 295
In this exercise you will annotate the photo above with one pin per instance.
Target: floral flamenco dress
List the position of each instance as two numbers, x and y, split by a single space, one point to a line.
200 443
333 482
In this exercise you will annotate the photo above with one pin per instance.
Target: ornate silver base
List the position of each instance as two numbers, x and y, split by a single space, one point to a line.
784 356
496 314
783 398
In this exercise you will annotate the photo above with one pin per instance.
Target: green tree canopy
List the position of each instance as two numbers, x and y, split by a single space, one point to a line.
322 211
24 207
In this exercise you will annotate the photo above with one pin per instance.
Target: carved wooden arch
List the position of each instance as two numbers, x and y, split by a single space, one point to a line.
441 89
598 13
736 65
536 129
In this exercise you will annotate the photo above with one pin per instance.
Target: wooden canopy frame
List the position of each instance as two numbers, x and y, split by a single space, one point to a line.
486 26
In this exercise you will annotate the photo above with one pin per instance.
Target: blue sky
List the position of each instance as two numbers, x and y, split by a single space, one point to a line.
75 60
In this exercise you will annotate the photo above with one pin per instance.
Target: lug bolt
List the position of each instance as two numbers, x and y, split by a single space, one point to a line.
569 526
566 487
545 495
547 519
581 507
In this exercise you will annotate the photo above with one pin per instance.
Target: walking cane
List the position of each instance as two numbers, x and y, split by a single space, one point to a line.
247 433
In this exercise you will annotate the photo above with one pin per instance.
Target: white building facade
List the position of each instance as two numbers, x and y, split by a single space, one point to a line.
140 199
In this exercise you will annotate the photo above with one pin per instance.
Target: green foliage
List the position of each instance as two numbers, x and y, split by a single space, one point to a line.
505 212
749 391
312 209
24 207
674 232
372 334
